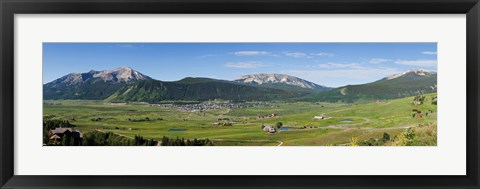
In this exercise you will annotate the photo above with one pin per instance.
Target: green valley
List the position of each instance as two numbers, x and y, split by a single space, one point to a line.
404 121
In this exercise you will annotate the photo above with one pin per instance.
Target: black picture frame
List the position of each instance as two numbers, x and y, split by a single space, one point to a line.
11 7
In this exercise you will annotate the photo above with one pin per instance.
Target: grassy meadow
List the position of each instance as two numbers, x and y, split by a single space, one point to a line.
346 124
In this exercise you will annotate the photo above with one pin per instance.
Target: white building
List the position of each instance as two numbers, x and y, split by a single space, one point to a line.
269 129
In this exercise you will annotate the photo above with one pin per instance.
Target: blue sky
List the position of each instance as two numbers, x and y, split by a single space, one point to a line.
330 64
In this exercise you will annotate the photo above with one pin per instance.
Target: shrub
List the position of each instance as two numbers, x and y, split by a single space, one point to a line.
279 125
354 141
408 136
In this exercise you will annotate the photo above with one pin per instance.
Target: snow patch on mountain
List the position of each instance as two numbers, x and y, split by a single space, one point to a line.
123 74
264 78
418 72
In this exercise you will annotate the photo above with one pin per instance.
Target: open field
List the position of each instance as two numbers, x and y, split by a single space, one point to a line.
342 123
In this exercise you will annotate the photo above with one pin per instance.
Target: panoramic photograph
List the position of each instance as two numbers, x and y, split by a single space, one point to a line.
239 94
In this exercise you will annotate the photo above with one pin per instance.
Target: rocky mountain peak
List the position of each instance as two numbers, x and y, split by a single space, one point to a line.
122 74
273 78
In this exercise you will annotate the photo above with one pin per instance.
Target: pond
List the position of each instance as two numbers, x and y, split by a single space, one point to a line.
177 130
346 121
285 128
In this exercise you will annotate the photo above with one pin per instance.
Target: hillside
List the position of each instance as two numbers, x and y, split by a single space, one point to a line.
410 83
196 89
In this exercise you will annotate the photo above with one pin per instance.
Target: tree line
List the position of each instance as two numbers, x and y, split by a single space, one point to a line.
182 142
97 138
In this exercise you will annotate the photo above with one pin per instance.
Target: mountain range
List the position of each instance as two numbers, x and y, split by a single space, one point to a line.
94 85
280 81
126 84
409 83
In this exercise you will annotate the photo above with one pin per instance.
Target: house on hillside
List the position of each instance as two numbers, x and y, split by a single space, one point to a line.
267 116
57 135
59 131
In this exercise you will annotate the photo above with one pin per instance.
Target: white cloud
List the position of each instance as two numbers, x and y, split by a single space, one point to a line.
129 46
425 63
340 77
429 52
252 53
297 54
306 55
322 54
339 65
379 60
246 64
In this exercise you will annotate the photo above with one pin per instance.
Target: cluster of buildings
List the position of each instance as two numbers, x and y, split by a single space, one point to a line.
206 106
267 116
